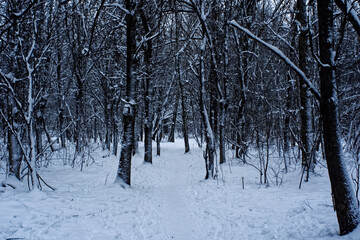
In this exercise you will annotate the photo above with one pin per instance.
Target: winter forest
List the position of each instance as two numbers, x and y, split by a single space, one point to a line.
179 119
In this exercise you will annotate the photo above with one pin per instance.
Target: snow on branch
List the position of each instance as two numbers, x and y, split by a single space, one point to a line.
281 55
350 12
118 6
144 40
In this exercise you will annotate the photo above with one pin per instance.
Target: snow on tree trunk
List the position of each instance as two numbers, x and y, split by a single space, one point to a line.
29 117
149 109
209 134
305 95
124 169
344 199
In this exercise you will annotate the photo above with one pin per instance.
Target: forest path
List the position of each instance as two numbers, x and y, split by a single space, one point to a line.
178 219
168 199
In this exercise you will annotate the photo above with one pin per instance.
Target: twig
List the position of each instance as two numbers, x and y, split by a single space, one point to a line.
10 185
40 178
282 56
106 178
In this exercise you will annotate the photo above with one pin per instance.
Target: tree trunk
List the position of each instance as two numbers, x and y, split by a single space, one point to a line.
181 86
39 126
61 126
15 154
305 95
79 116
344 199
225 79
158 141
222 158
174 117
124 169
115 138
184 118
60 98
241 148
286 151
209 155
107 122
148 140
137 126
149 110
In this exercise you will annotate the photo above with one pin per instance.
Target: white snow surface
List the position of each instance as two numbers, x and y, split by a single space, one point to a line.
169 200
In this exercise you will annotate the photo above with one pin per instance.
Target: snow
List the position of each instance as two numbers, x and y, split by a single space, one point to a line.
168 200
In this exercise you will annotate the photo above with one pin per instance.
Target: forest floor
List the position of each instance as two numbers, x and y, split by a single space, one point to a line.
169 200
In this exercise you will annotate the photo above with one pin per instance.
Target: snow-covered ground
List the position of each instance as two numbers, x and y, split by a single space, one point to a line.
169 200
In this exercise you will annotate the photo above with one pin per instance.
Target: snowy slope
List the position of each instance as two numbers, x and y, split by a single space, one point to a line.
169 200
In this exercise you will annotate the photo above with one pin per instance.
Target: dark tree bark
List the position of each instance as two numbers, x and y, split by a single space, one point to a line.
305 95
181 85
223 102
39 126
149 111
79 114
243 45
344 199
124 169
15 154
240 149
286 152
158 140
107 118
115 137
76 35
174 116
184 119
60 95
209 154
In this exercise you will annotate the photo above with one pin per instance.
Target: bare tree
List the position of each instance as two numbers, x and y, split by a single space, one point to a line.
124 169
344 199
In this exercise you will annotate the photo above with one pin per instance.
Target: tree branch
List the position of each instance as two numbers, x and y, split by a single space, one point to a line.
350 13
282 56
